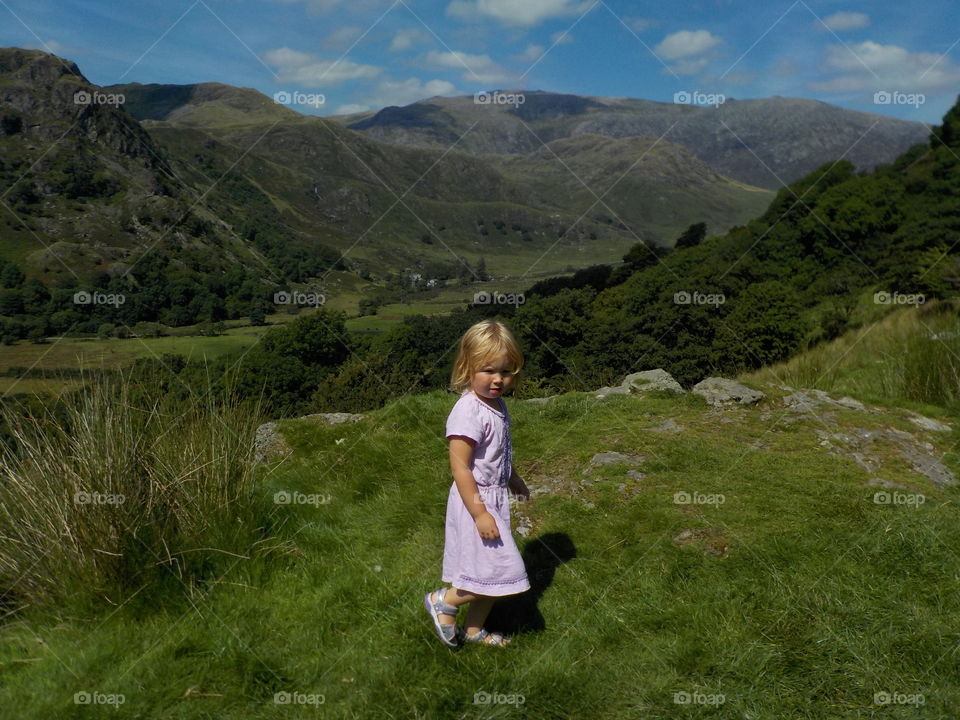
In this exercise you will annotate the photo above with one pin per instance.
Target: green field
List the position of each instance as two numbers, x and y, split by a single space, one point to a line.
797 596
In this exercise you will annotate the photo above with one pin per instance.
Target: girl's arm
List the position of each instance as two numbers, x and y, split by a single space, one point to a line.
517 484
461 450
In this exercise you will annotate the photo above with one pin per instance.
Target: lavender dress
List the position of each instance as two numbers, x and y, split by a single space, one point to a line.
483 567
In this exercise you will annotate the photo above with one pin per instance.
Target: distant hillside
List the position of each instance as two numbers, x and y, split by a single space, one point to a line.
200 104
760 142
91 189
340 184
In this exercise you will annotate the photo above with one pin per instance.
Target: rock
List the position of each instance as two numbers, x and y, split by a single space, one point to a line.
635 475
722 391
667 426
611 457
269 444
809 400
604 391
857 445
647 380
850 403
880 482
929 423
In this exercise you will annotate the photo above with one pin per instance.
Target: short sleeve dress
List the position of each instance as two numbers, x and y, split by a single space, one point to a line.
471 563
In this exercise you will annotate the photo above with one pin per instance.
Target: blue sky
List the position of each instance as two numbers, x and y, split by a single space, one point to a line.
362 54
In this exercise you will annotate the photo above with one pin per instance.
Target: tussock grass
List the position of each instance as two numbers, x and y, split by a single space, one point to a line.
115 491
909 357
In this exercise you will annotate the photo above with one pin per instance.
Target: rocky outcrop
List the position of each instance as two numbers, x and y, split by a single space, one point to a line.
721 392
270 444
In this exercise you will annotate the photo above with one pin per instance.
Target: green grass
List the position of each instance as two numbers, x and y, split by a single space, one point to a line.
821 599
892 358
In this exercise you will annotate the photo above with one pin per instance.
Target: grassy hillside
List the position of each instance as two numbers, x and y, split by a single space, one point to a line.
798 594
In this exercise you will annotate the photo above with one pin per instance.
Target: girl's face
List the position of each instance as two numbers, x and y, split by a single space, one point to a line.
492 379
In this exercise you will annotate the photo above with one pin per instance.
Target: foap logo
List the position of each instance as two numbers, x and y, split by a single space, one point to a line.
698 698
883 97
695 498
898 698
286 97
85 97
497 97
298 698
485 297
895 498
685 97
295 297
884 297
487 698
685 297
286 497
95 498
98 698
82 297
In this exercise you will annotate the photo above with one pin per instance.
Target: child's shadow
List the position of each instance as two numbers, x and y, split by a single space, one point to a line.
541 557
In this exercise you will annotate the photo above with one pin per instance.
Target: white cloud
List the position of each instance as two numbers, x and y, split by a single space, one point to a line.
405 39
561 37
399 92
516 12
686 43
846 21
342 38
324 7
306 70
638 24
404 92
531 54
872 66
476 68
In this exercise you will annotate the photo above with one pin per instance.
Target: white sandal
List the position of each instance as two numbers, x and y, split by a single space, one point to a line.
449 634
485 637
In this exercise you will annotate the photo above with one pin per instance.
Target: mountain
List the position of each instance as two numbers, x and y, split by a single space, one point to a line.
200 104
345 186
87 189
763 142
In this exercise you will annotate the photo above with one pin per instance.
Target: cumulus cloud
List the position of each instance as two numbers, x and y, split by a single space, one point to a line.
638 24
516 12
476 68
870 66
846 21
686 43
399 92
307 70
342 38
531 54
406 38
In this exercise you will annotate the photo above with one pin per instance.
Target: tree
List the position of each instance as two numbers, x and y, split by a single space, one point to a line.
481 272
692 236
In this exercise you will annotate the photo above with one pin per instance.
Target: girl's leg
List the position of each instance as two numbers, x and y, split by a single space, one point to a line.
456 597
477 613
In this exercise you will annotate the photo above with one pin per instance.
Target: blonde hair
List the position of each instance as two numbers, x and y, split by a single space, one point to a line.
484 340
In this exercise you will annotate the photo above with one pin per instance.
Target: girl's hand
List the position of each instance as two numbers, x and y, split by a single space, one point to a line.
487 526
520 489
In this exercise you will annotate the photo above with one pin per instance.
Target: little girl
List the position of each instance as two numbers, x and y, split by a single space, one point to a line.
480 559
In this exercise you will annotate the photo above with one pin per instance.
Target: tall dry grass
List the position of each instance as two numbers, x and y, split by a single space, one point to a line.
118 491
